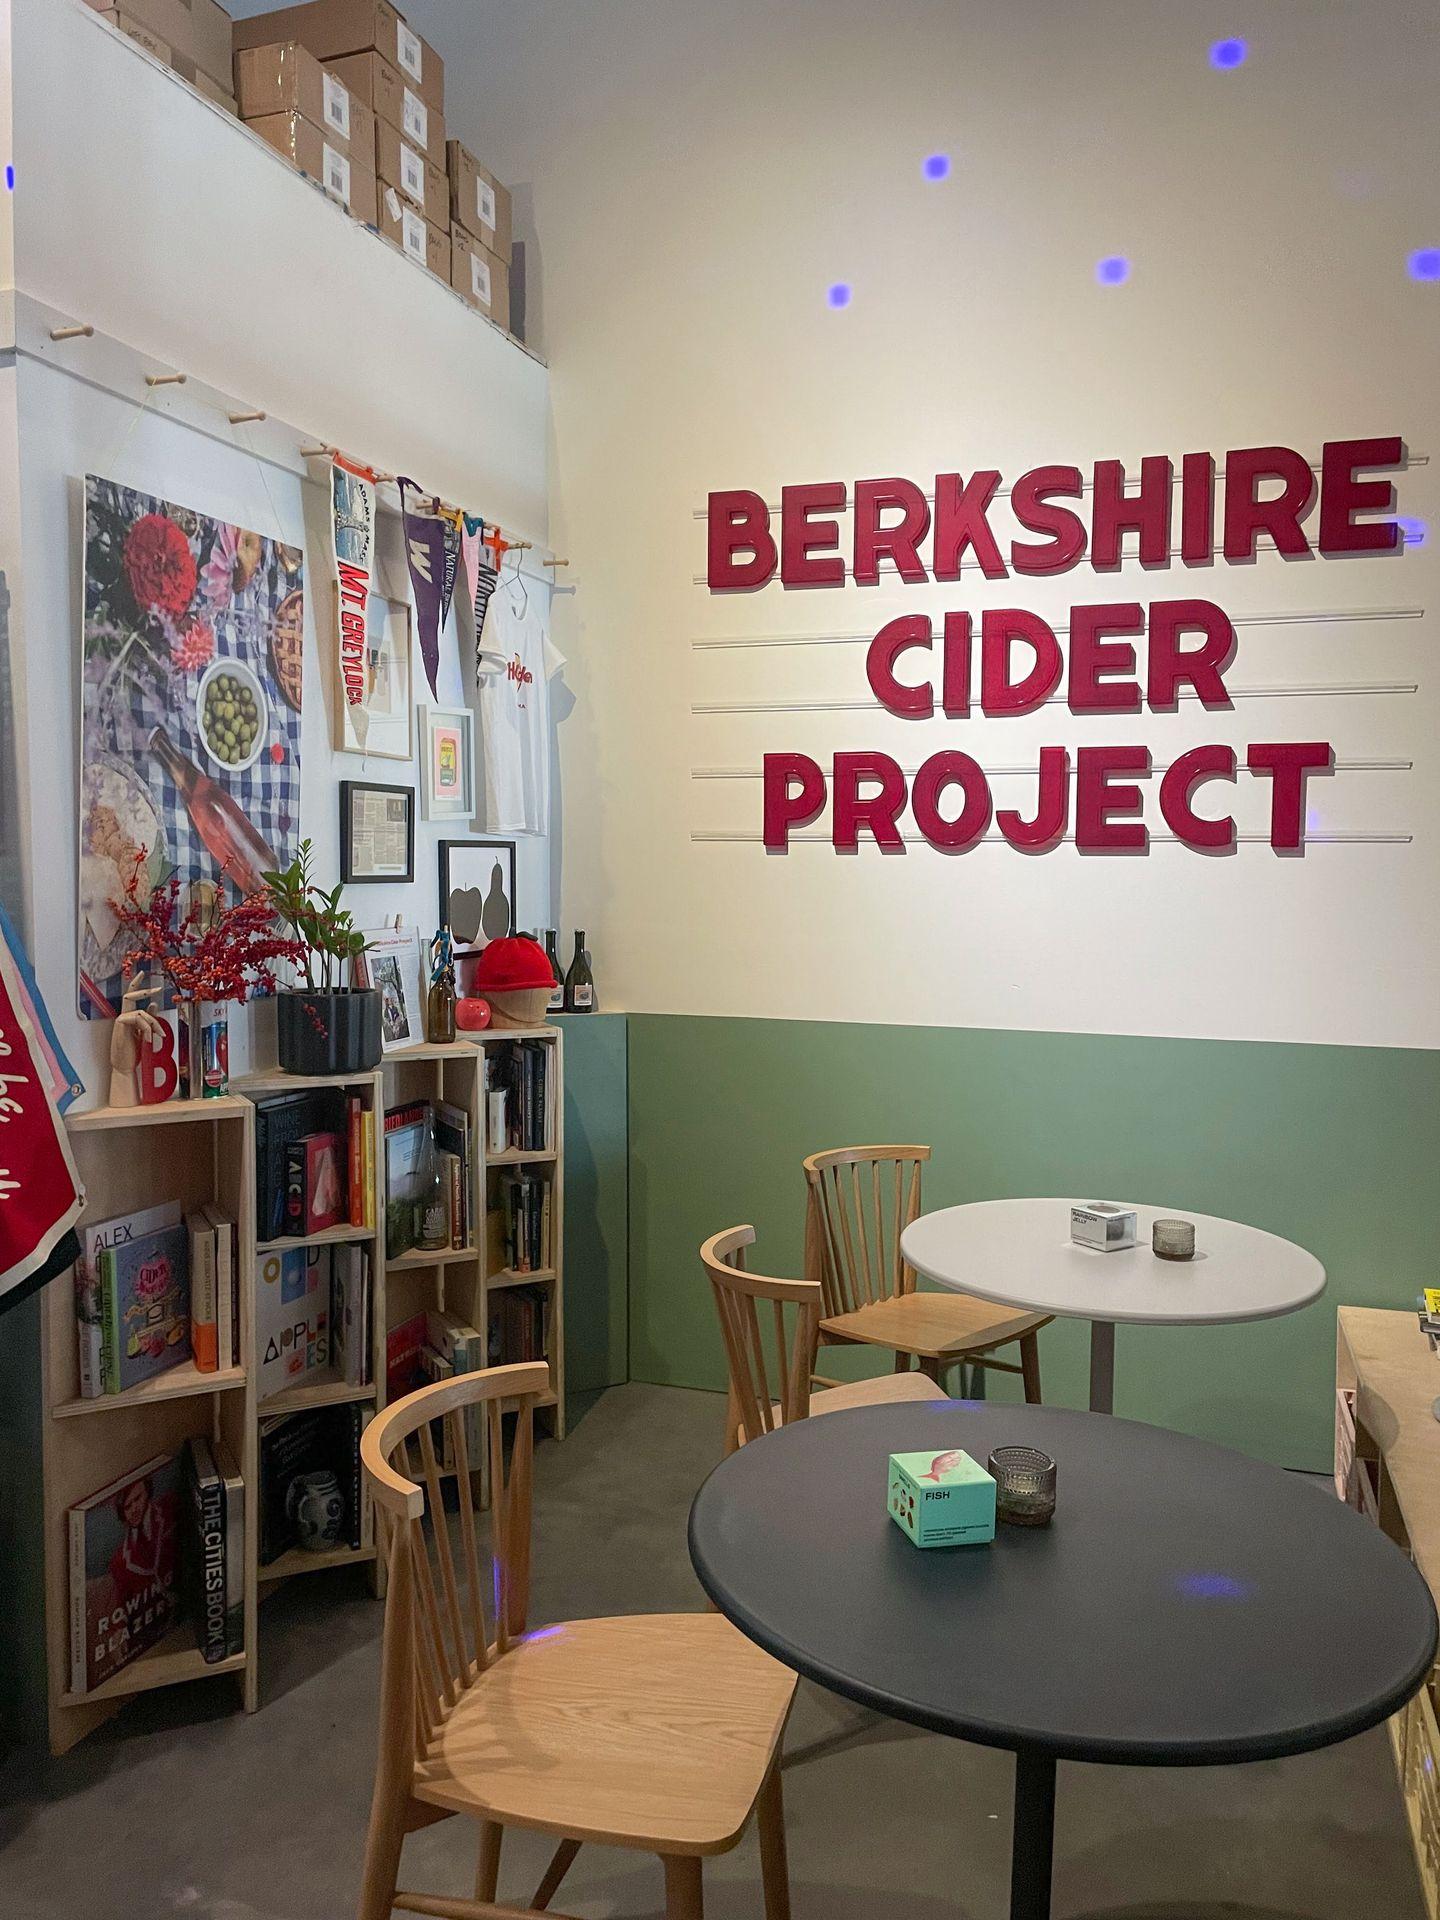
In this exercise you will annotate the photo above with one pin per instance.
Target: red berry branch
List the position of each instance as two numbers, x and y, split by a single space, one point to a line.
211 952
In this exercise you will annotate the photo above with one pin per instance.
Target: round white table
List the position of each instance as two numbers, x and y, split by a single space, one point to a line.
1019 1252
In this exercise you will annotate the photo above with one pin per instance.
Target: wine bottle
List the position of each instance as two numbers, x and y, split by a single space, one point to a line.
579 981
556 1002
227 834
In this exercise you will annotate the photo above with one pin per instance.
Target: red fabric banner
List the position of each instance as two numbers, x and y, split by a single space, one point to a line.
40 1194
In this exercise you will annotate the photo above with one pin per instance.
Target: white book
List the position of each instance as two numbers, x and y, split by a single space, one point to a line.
204 1328
222 1228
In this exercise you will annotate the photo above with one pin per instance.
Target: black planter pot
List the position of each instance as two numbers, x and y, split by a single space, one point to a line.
328 1032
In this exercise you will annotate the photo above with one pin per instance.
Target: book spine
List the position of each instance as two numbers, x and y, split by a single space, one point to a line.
367 1167
356 1160
204 1316
226 1330
209 1499
295 1185
87 1334
457 1202
357 1478
234 1563
79 1624
109 1324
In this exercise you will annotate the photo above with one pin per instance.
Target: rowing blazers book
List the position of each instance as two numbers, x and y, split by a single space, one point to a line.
122 1570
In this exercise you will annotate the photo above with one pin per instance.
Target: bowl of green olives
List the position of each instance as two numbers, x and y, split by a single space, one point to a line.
233 715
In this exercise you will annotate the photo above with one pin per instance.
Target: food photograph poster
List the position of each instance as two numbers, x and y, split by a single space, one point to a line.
190 742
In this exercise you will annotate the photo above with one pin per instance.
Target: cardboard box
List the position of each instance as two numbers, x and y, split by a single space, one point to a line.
427 246
383 89
197 30
139 32
345 177
941 1499
330 28
289 79
477 200
480 276
416 179
202 83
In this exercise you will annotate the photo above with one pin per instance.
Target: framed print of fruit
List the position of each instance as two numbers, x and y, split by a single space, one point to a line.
190 713
477 891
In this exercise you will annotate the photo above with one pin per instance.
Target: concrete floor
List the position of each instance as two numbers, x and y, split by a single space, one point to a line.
183 1806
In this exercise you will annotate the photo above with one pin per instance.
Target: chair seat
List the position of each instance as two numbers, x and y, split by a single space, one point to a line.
884 1390
652 1730
936 1326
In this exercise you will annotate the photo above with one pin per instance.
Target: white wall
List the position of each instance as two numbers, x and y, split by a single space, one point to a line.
695 178
195 244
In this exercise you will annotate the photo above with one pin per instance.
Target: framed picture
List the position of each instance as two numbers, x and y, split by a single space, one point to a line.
391 963
380 725
448 750
377 832
477 891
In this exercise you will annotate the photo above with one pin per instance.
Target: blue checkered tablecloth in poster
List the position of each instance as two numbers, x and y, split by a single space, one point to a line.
143 670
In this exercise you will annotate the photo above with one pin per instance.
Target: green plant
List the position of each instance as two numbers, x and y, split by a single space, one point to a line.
327 934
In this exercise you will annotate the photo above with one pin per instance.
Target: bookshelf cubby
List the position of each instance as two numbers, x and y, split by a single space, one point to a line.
202 1151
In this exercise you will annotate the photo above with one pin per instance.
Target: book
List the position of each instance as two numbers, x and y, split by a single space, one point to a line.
312 1440
203 1559
407 1133
463 1351
355 1158
402 1357
452 1136
367 1164
89 1318
292 1316
227 1286
315 1196
280 1120
204 1299
122 1571
144 1306
234 1490
350 1314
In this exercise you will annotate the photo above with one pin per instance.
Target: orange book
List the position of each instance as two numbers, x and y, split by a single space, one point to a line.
357 1161
204 1316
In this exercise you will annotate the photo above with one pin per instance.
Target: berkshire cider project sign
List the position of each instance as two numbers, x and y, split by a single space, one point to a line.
1123 656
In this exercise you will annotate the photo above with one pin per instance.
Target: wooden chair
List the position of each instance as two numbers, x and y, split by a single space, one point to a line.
858 1202
659 1732
754 1406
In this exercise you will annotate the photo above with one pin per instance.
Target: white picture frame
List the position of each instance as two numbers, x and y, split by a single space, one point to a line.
383 729
447 763
391 962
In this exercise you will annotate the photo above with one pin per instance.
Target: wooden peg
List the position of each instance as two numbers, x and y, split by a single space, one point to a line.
76 332
315 453
240 419
165 379
554 563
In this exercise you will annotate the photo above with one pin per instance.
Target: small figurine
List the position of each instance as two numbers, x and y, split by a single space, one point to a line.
143 1069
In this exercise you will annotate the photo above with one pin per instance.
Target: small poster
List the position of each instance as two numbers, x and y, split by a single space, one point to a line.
190 714
352 522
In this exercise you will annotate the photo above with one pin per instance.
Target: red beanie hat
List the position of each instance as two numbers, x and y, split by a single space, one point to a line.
511 966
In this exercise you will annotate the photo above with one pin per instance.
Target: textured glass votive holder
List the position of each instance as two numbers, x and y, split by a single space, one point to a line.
1173 1239
1024 1485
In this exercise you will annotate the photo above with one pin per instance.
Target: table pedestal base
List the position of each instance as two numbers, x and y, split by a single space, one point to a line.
1032 1846
1102 1366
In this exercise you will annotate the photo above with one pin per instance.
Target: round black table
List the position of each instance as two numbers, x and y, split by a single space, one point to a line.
1186 1606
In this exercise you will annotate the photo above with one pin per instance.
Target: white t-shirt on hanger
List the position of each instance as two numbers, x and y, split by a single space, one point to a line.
514 702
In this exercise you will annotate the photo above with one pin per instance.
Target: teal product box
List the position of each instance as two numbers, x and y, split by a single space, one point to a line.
942 1499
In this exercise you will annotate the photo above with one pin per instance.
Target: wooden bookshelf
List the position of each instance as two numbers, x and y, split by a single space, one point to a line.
192 1152
461 1280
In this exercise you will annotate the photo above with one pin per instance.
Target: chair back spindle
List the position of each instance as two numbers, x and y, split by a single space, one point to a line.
858 1201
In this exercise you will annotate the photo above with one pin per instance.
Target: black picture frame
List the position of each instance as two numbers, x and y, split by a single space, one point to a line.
470 866
350 874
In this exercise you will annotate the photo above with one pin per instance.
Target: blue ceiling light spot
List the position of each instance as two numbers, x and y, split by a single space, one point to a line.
936 166
1425 263
1211 1586
1414 533
1228 54
10 178
1113 271
839 294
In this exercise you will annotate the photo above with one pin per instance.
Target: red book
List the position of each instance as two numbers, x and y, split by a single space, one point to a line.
325 1184
356 1146
403 1347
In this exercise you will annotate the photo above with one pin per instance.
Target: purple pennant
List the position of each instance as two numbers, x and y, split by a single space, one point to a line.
425 554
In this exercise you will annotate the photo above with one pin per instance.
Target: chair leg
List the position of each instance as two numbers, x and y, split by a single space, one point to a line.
902 1361
382 1862
774 1866
487 1873
933 1369
684 1898
1030 1366
732 1421
556 1871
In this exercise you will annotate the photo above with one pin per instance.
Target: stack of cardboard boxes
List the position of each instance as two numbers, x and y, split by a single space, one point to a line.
192 36
397 79
479 236
307 113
